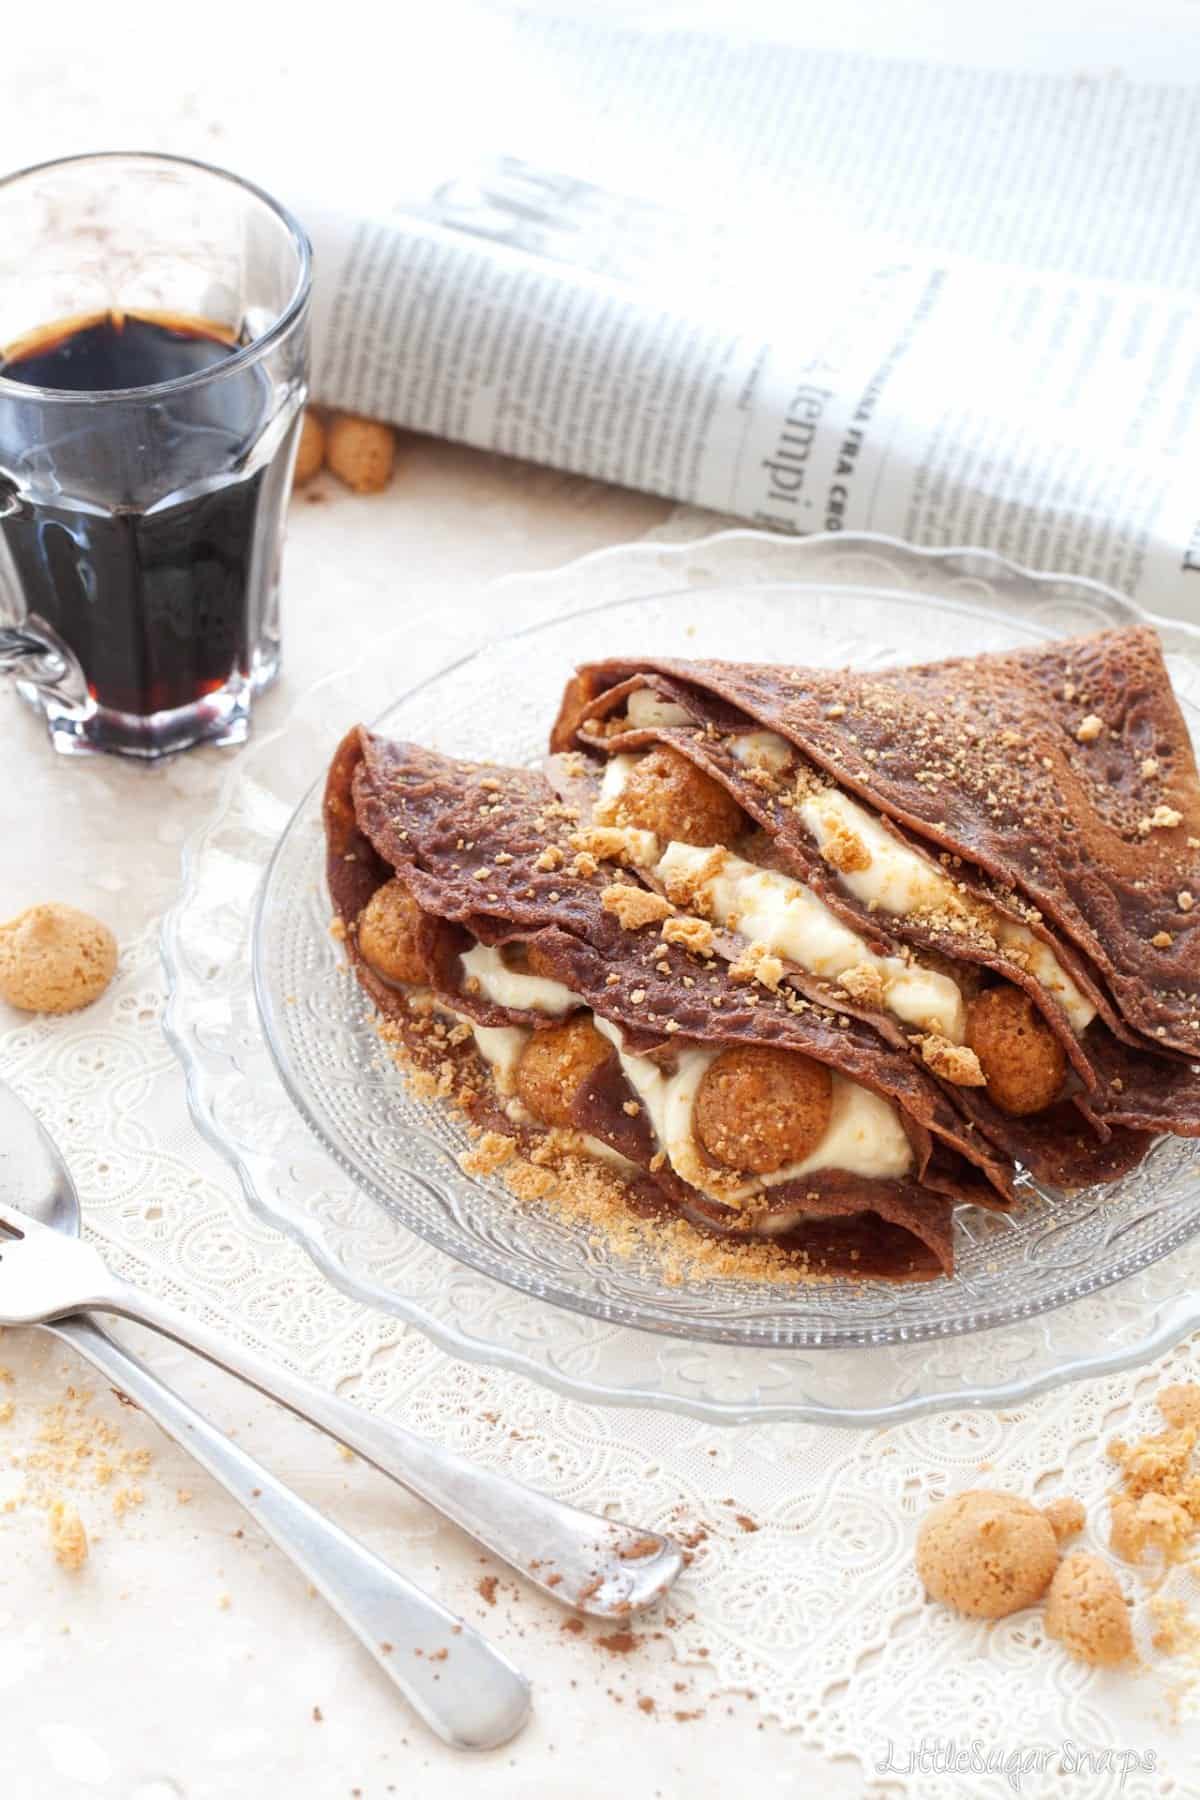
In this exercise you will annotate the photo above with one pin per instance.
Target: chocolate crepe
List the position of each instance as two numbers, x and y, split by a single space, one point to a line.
488 855
1064 772
1051 1144
1127 1083
1053 788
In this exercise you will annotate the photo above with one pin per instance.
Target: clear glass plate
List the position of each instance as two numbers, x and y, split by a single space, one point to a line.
374 1189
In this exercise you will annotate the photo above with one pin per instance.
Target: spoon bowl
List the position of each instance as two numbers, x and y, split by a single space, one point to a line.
33 1174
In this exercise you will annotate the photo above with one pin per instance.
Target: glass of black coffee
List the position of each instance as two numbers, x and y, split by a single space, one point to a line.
153 367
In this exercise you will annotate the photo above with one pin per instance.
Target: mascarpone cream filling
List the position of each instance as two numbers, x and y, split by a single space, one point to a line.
864 1136
769 908
896 880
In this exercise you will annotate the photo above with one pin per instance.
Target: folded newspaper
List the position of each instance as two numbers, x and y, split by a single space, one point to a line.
827 293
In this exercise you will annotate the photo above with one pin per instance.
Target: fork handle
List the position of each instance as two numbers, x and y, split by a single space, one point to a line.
468 1693
577 1557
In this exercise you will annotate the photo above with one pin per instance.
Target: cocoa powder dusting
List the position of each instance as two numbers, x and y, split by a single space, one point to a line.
643 1546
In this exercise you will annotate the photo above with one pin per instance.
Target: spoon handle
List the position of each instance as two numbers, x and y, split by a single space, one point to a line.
464 1690
579 1558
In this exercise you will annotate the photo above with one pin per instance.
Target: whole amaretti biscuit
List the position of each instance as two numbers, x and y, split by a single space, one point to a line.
1023 1061
360 452
55 959
985 1553
1086 1611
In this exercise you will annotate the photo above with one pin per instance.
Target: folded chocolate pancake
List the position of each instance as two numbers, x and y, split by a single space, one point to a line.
770 893
893 896
1064 772
471 902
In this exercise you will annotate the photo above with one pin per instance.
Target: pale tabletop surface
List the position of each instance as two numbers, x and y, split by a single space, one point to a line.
184 1663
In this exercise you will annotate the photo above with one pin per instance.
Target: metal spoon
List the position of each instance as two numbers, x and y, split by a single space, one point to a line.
470 1695
578 1558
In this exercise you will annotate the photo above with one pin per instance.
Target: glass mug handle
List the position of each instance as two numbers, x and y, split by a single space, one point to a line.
30 650
33 653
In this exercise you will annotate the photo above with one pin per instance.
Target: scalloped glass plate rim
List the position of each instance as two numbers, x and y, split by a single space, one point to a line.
962 563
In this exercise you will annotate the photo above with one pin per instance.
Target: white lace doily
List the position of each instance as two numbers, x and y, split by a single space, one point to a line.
816 1610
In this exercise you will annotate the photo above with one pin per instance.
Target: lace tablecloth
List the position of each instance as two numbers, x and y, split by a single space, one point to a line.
796 1647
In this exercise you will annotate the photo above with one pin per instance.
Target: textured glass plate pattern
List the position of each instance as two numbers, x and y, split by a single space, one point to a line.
1034 1299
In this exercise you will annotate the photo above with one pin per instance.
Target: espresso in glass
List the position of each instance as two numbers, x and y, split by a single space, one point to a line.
155 601
145 462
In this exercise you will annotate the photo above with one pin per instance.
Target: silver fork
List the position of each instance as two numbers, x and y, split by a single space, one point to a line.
578 1558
